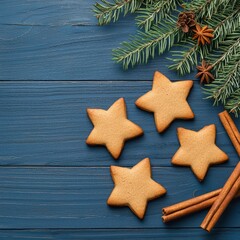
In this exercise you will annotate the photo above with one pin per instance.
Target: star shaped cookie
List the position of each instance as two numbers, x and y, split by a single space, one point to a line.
167 100
134 187
198 150
112 128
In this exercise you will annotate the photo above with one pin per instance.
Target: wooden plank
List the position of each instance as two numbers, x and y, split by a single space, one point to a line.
45 123
51 13
59 40
47 12
70 53
123 234
76 198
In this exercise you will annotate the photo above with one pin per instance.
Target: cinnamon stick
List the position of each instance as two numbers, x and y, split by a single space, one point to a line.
191 209
231 129
190 202
227 193
190 206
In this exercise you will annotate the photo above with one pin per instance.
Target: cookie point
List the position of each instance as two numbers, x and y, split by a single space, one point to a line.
160 129
140 215
162 190
137 102
88 110
226 158
109 201
192 115
199 176
122 100
141 131
147 160
211 127
180 129
190 82
157 74
173 160
200 179
112 169
115 155
88 141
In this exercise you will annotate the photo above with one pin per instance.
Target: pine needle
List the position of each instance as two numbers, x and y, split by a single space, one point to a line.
233 103
106 11
224 22
153 14
226 83
145 45
185 60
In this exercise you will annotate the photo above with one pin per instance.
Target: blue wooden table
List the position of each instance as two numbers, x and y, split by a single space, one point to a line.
54 63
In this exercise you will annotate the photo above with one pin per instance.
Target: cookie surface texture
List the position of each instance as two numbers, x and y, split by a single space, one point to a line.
134 187
198 150
167 100
112 128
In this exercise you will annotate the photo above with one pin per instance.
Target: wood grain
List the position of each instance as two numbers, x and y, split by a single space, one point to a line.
123 234
70 53
53 186
59 40
51 13
45 123
76 198
47 12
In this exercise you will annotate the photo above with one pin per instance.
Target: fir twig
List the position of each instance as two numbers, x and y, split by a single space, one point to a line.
227 81
155 12
110 11
224 23
206 8
233 104
227 50
143 45
186 59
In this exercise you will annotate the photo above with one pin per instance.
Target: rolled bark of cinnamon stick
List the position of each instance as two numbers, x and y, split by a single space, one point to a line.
228 192
190 206
231 129
190 209
190 202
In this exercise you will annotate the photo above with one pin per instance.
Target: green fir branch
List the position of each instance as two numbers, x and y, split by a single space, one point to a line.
206 8
233 103
185 60
158 19
106 11
226 83
224 23
155 12
144 45
224 54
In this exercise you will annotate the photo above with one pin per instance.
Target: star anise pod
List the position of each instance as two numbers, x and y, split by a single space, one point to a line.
203 34
186 20
204 73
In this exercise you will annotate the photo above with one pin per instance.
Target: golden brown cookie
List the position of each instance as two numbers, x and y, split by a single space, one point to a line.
134 187
112 128
198 150
167 100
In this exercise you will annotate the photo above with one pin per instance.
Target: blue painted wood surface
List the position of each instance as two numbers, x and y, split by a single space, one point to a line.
54 63
45 123
49 40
